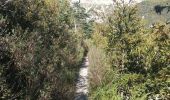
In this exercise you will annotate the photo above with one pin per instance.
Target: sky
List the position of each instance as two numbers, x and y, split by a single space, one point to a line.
101 1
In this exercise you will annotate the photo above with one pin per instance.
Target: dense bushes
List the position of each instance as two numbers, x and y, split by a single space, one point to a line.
39 50
139 57
41 47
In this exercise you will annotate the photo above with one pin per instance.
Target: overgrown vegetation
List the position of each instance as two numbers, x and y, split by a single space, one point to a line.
39 50
42 43
138 56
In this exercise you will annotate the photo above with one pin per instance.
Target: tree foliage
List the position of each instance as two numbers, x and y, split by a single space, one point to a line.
139 57
82 20
40 52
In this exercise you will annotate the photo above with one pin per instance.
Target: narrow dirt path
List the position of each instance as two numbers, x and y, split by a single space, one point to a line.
82 82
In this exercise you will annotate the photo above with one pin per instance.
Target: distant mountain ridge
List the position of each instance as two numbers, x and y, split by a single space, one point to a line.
98 9
151 10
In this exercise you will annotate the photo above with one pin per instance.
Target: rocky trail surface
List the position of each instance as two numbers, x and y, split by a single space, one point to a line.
82 81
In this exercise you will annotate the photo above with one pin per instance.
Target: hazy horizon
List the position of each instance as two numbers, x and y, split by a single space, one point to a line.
101 1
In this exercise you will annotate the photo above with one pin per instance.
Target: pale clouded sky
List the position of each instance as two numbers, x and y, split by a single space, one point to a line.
100 1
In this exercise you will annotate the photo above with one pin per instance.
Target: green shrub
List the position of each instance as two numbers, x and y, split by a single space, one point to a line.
42 49
139 57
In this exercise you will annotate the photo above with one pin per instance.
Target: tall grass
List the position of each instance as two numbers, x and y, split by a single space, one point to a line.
100 72
98 65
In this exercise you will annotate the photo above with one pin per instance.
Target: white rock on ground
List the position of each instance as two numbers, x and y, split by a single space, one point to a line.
82 82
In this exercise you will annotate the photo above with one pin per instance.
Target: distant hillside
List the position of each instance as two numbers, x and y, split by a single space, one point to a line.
155 11
152 10
97 11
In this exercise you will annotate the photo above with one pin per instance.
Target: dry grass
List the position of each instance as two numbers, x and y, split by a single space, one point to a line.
98 65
